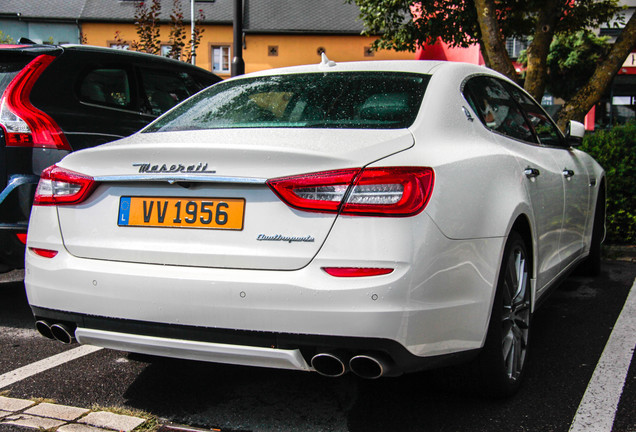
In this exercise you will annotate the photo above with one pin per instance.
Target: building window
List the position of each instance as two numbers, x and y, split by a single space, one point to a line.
165 50
120 46
514 46
221 59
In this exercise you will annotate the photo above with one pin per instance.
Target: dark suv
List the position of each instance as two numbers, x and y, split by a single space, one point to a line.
57 99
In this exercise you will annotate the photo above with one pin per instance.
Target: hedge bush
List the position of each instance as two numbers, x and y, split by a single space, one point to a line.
615 150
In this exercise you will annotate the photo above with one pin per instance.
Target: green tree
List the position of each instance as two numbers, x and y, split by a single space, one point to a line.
180 50
5 38
571 61
148 28
407 24
615 150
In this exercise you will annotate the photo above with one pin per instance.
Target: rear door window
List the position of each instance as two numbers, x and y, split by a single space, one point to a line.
165 89
496 108
108 87
546 130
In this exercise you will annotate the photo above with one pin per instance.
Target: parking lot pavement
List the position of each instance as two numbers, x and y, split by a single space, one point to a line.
570 334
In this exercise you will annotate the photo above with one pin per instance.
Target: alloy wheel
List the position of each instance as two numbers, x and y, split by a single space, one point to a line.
516 314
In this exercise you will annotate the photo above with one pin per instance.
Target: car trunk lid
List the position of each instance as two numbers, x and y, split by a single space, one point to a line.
216 180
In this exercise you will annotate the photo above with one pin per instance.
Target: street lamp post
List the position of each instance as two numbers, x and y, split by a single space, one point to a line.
192 34
238 65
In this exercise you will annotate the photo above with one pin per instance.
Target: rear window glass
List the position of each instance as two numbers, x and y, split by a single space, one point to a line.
355 100
8 71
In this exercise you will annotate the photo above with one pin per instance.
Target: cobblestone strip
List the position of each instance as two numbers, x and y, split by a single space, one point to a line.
62 418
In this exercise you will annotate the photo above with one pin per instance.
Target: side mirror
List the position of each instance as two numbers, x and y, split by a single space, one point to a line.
574 133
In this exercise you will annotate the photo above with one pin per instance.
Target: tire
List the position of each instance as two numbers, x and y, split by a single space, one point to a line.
591 266
502 361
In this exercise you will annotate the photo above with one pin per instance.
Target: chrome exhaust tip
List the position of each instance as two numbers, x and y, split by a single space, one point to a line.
63 333
328 364
44 329
369 366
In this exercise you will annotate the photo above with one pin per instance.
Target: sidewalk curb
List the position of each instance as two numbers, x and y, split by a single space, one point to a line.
62 418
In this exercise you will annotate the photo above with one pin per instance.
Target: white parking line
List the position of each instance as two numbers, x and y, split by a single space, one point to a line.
50 362
600 401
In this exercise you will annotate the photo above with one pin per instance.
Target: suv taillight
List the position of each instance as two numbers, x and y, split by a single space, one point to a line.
24 124
390 191
59 186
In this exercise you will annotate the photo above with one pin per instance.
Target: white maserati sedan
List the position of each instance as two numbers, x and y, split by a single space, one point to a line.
372 217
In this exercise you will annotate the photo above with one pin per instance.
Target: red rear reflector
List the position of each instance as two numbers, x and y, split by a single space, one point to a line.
22 237
24 124
46 253
390 191
356 271
59 186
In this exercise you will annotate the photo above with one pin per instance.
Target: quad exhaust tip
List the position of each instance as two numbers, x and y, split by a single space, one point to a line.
44 329
59 332
368 366
329 365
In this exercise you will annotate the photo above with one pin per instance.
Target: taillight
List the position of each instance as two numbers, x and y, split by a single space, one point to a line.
390 191
317 192
24 124
59 186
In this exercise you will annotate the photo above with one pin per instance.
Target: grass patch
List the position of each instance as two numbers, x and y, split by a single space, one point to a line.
40 400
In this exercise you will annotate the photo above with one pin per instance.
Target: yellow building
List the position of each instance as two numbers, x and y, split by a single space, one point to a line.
276 32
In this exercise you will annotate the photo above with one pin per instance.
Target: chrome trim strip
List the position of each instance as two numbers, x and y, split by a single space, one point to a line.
179 178
17 226
194 350
16 181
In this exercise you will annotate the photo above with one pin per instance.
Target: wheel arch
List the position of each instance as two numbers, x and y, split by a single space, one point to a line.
522 226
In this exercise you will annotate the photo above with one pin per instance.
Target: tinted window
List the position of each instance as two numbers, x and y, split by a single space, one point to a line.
109 87
317 100
496 109
165 89
8 71
545 129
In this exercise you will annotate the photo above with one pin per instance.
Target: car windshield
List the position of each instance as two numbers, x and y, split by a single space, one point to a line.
355 100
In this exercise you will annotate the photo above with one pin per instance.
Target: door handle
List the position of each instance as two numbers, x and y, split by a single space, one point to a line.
531 172
567 173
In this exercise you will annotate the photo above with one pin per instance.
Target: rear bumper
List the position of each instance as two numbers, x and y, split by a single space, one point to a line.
435 303
249 348
15 202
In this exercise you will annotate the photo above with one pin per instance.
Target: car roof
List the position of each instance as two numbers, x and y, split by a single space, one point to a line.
46 48
413 66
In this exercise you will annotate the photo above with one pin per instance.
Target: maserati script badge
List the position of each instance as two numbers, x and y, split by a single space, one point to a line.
283 238
147 168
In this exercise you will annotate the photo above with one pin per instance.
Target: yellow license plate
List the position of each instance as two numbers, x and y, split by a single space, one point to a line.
213 213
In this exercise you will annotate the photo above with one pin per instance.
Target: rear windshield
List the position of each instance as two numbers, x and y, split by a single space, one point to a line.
9 69
354 100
